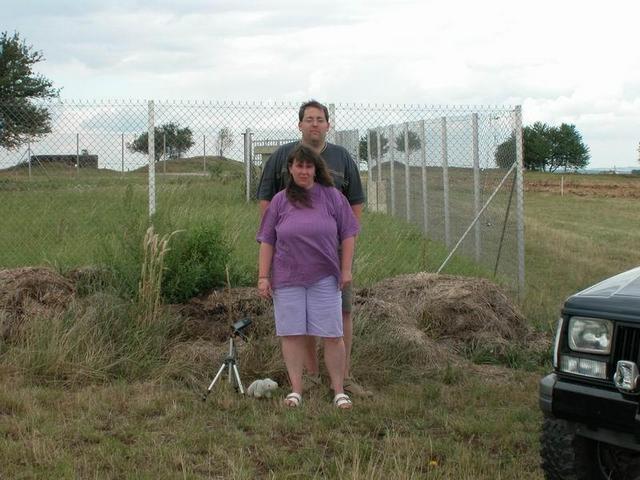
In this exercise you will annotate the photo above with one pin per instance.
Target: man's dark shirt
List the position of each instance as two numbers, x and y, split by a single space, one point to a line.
341 167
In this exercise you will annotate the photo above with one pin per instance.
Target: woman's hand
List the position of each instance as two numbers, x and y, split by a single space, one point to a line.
345 278
264 287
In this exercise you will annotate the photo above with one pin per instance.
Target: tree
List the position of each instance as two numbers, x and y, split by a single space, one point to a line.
567 149
412 137
177 140
384 143
506 152
20 120
225 140
537 146
546 148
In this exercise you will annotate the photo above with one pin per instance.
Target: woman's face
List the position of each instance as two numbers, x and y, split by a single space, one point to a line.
302 173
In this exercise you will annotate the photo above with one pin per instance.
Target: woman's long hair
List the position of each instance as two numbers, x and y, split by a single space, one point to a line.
297 195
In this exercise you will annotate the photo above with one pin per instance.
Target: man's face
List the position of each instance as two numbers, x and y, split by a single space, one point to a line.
314 126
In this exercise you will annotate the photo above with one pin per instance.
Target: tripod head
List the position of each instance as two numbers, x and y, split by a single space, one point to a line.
239 327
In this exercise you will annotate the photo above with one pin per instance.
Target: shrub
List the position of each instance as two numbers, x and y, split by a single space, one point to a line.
195 263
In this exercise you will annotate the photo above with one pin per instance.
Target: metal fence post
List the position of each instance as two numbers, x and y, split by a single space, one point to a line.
331 136
423 158
520 201
164 153
407 195
77 154
152 159
370 183
379 155
476 179
29 154
247 162
379 171
445 183
204 153
122 154
391 175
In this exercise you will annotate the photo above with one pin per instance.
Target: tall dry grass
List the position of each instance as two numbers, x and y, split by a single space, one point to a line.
155 248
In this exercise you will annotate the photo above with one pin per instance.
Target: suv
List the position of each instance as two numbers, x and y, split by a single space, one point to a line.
590 402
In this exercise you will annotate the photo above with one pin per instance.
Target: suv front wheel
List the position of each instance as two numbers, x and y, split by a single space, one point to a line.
567 456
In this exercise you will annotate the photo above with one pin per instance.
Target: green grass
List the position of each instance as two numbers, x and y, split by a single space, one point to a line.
149 430
573 242
92 394
66 223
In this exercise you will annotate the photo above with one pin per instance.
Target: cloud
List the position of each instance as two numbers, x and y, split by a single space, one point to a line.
561 64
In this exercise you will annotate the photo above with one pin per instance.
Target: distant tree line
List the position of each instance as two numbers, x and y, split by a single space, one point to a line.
546 148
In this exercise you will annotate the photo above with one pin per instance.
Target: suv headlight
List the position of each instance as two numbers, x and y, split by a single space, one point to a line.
590 335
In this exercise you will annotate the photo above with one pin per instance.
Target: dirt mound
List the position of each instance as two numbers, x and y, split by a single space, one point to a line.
422 320
31 291
458 310
211 317
388 337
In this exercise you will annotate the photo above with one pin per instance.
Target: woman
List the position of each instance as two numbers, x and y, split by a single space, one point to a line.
299 266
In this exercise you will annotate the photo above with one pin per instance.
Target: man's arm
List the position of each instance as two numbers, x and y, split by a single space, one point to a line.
357 210
264 204
354 191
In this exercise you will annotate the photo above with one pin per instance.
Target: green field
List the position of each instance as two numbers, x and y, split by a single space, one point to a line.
91 394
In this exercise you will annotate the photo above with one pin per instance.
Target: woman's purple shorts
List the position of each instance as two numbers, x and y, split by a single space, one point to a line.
314 310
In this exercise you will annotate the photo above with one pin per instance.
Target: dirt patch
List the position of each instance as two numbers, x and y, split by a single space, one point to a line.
585 189
31 292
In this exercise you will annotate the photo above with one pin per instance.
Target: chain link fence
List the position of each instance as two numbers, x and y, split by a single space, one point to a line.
65 180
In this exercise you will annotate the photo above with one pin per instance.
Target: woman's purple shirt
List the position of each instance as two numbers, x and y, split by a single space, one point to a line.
306 240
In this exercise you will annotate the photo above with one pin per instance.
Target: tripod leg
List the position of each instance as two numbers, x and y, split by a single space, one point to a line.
215 379
231 358
238 381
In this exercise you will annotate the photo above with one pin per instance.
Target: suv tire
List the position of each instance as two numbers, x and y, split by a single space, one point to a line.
567 456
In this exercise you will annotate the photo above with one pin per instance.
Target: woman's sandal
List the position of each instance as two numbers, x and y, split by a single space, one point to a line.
293 400
342 401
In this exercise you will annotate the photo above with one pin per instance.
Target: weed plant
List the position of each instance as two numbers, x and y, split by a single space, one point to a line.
100 338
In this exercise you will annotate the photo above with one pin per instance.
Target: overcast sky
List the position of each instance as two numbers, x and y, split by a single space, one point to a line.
562 60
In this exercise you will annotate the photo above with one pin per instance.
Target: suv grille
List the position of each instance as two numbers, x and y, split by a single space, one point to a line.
627 345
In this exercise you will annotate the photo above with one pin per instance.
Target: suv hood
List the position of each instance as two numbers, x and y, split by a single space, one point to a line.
619 294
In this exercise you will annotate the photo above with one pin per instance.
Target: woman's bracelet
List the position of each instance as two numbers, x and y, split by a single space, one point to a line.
263 278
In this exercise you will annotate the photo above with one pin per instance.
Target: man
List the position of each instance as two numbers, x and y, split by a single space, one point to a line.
314 126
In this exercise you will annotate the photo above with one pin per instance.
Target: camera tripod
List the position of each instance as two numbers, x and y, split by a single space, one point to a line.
229 362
